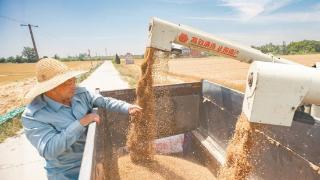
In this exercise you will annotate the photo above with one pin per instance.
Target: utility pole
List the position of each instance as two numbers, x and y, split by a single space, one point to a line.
32 38
90 59
89 53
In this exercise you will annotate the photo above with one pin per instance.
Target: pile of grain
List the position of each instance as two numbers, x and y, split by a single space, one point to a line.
163 168
142 129
238 164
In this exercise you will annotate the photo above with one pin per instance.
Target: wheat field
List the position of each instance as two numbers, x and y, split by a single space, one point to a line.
12 72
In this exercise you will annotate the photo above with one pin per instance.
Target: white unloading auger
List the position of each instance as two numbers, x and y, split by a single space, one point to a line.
275 86
163 33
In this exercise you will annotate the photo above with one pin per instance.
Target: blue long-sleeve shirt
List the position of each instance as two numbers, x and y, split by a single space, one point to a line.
55 130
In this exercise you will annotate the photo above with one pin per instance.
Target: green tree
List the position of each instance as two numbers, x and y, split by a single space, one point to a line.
82 56
11 59
299 47
2 60
284 49
29 54
56 56
19 59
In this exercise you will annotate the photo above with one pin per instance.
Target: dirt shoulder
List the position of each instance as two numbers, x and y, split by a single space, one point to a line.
11 94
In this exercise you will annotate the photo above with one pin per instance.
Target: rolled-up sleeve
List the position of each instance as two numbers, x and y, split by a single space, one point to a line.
50 142
111 104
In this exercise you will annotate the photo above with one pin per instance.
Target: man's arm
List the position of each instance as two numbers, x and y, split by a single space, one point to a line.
111 104
50 142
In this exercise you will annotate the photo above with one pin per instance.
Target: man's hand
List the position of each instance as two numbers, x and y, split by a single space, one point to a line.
87 119
135 110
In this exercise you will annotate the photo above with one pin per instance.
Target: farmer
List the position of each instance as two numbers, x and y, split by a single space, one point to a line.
56 119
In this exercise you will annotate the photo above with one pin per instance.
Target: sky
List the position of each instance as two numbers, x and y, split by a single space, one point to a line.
70 27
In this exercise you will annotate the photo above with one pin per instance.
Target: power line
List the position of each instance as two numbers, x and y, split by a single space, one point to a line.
12 19
23 23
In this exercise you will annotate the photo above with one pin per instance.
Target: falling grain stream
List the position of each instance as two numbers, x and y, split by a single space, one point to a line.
142 163
142 128
238 164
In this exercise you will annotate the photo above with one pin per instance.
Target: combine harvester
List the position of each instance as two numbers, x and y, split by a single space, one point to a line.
276 90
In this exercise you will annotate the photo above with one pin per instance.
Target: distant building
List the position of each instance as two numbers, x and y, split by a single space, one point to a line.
129 58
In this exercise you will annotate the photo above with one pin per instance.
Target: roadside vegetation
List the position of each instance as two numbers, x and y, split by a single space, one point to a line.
86 75
10 128
129 72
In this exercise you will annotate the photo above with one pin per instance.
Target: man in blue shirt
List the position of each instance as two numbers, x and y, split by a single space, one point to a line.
56 119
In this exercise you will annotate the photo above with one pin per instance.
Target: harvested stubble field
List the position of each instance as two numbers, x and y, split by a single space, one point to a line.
228 72
225 71
11 72
17 79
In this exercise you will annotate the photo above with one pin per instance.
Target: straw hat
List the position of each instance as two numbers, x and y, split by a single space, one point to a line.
50 74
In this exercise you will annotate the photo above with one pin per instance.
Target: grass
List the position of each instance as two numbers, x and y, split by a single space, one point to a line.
12 126
129 73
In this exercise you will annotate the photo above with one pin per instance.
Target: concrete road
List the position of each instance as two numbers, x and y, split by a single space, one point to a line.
20 160
106 77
